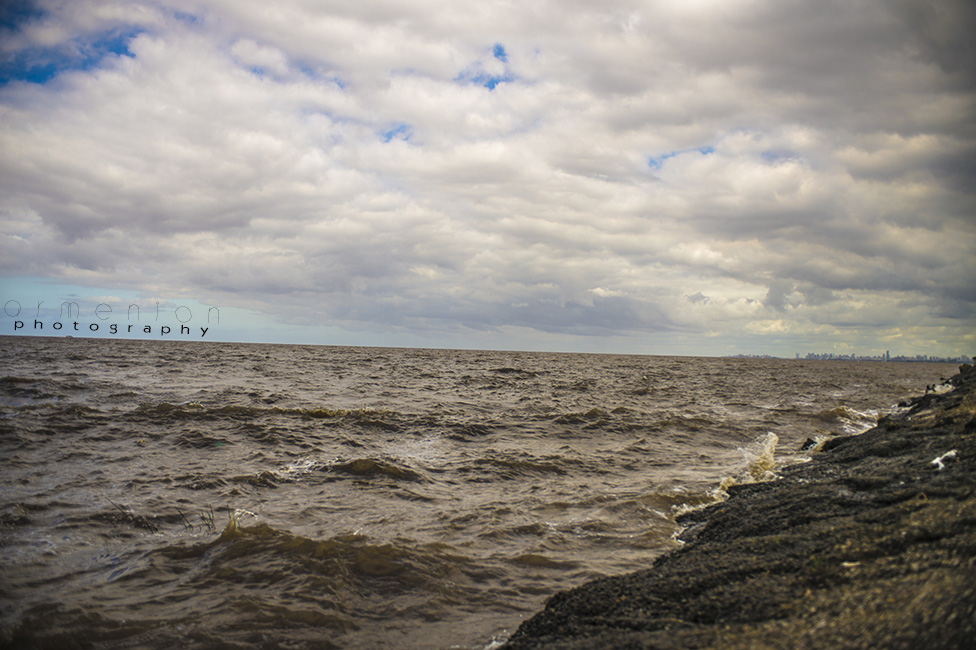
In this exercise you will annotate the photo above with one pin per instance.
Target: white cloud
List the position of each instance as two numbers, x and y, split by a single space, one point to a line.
382 166
260 58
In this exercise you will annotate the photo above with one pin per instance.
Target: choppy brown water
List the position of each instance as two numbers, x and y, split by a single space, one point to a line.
170 494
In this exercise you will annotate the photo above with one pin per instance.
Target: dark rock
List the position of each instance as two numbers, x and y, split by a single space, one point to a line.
869 545
808 444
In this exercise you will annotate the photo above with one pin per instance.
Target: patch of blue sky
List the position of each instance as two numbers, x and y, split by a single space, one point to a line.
777 155
316 75
655 162
32 296
40 65
40 302
477 75
484 79
399 132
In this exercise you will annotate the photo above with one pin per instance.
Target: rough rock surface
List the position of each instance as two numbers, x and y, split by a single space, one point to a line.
869 545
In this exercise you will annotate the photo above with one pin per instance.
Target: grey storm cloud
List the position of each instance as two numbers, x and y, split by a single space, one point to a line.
724 170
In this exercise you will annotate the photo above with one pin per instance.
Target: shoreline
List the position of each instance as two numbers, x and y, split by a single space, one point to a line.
871 544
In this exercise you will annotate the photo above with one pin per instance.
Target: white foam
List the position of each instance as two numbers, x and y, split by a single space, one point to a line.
940 461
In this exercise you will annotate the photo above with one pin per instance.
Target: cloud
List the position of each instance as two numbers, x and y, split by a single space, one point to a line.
676 169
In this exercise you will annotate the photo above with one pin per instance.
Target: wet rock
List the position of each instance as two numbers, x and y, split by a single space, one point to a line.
870 545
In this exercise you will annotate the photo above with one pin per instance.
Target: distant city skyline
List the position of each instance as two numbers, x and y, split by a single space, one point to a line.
888 357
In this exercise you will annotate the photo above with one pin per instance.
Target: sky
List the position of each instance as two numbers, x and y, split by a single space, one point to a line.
686 177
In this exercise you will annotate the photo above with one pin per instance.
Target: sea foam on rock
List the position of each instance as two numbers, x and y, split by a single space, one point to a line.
872 544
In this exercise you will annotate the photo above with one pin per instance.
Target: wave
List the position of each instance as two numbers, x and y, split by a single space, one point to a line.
363 469
40 389
846 420
346 578
761 460
375 467
248 585
513 466
517 372
760 466
195 439
54 397
539 561
369 418
593 415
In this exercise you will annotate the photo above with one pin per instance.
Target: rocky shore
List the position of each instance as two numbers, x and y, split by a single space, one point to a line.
872 544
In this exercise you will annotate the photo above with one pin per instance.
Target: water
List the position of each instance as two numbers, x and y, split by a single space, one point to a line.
200 495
